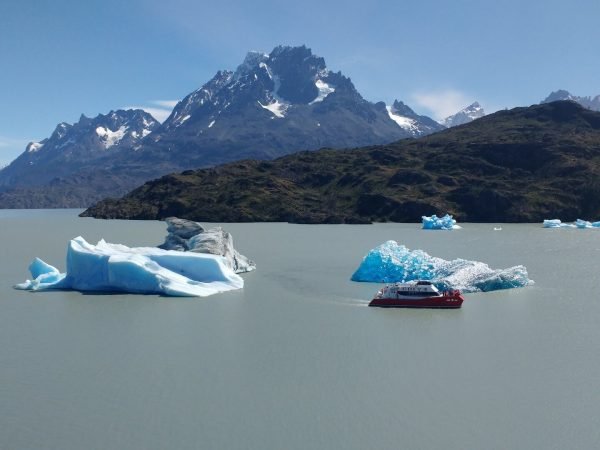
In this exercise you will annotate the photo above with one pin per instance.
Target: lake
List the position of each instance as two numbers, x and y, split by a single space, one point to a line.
296 360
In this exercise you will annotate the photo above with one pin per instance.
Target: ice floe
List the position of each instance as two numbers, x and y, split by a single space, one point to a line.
439 223
579 223
391 262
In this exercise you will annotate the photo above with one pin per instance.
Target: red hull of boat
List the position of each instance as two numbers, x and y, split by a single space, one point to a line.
445 302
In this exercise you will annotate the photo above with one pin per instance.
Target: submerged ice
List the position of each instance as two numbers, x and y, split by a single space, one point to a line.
439 223
391 262
144 270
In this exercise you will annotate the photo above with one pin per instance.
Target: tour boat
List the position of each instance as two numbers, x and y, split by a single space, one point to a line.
416 294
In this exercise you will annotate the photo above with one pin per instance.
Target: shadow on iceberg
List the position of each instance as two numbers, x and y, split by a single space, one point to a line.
188 236
391 262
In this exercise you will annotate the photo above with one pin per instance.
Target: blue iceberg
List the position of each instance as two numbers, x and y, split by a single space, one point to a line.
391 262
106 267
579 223
439 223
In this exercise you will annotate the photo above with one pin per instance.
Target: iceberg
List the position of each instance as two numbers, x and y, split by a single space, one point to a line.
579 223
439 223
391 262
186 235
107 267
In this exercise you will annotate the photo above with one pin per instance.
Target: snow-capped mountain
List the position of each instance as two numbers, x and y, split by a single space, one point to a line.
73 146
466 115
592 103
271 105
410 121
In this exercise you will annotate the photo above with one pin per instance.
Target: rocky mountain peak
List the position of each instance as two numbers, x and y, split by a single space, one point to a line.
72 146
466 115
561 94
410 121
588 102
251 62
399 107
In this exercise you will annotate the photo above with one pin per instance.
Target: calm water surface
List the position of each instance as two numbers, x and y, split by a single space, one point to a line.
296 360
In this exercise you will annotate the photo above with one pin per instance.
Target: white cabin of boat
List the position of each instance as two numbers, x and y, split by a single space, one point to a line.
411 290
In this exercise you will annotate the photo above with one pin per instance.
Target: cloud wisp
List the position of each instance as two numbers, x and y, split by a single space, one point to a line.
10 148
442 103
159 109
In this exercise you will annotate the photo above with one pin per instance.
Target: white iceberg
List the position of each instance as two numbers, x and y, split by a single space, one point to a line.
439 223
391 262
106 267
579 223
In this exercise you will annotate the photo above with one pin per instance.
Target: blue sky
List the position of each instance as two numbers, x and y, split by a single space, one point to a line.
63 58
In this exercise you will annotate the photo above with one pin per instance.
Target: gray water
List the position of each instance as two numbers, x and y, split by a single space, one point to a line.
296 360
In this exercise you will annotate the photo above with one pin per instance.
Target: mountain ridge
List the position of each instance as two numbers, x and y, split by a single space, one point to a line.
519 165
589 102
271 105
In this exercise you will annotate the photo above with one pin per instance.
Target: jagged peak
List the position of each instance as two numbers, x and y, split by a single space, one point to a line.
465 115
298 49
251 61
399 107
560 94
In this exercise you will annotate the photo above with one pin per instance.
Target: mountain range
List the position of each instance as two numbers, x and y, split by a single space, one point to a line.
519 165
271 105
592 103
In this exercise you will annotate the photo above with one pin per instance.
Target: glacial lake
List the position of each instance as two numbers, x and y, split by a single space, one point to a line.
296 360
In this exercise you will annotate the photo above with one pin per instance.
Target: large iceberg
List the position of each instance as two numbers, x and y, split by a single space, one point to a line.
579 223
186 235
106 267
391 262
439 223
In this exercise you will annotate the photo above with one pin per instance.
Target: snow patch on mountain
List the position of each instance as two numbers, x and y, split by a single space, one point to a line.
33 147
277 105
324 90
109 137
403 122
277 108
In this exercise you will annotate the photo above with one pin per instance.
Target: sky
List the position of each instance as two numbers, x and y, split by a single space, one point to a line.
62 58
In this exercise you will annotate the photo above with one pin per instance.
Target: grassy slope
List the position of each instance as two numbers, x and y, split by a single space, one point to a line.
521 165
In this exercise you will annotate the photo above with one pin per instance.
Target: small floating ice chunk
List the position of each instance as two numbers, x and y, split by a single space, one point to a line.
44 277
439 223
391 262
144 270
579 223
